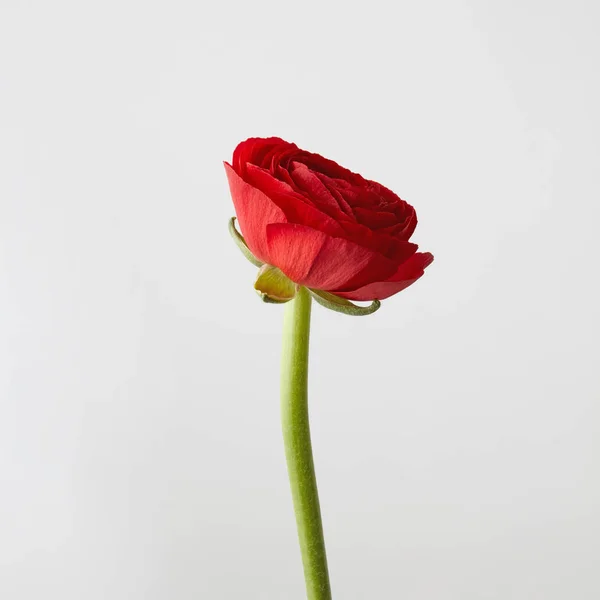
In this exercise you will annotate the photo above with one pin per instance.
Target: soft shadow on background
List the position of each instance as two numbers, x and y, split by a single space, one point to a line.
455 431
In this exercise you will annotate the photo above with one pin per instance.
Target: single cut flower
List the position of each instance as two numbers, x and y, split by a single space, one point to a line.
322 226
316 231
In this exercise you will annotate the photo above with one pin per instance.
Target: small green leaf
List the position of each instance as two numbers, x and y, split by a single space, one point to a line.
273 286
341 305
241 244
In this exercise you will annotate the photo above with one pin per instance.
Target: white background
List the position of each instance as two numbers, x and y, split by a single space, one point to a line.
456 431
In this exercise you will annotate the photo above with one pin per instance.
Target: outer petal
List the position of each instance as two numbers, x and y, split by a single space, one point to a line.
254 211
406 275
314 259
296 207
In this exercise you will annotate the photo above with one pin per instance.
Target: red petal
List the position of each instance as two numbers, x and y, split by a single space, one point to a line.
375 219
296 207
407 274
329 183
405 228
315 259
316 162
316 190
254 211
395 249
255 150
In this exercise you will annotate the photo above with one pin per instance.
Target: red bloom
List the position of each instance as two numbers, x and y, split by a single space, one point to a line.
325 227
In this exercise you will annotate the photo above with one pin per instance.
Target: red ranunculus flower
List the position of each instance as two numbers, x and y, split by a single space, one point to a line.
323 226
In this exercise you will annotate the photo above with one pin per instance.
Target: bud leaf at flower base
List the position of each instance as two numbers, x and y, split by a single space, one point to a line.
338 304
273 286
241 244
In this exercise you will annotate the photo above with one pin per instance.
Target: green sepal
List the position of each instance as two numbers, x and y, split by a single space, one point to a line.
273 286
241 244
341 305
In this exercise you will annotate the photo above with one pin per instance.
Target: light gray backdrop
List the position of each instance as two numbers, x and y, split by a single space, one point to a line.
455 431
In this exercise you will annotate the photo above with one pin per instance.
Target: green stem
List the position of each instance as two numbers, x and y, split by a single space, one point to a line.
298 449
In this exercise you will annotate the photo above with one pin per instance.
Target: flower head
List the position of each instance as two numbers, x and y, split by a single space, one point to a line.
321 225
